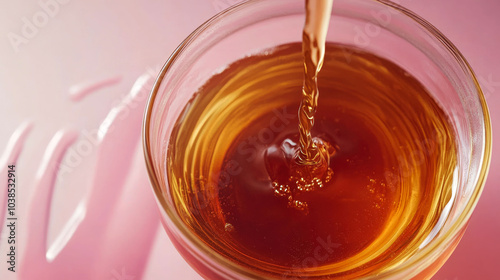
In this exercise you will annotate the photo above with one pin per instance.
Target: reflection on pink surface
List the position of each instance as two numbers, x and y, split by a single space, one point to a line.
100 225
88 39
79 91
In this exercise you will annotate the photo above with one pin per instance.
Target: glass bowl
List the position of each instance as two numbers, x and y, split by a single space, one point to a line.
380 27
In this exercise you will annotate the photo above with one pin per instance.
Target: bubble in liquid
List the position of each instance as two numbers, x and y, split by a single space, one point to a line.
303 177
229 227
300 184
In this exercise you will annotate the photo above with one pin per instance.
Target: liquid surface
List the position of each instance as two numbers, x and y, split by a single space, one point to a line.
392 158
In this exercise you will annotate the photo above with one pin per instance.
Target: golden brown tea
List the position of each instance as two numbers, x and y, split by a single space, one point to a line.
308 168
391 154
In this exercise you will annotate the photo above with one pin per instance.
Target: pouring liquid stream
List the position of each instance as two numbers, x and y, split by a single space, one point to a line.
310 167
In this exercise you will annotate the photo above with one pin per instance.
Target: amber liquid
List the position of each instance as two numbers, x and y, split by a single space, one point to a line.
392 153
313 50
308 164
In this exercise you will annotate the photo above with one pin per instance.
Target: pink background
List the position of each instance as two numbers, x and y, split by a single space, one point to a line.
96 40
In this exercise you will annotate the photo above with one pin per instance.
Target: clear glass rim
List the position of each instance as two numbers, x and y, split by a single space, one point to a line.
440 244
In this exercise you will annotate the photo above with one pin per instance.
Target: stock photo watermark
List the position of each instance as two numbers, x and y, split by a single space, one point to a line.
363 36
90 139
11 220
121 275
32 25
325 248
419 152
248 149
220 5
488 85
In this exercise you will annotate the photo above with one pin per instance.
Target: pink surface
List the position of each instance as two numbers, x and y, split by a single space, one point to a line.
114 43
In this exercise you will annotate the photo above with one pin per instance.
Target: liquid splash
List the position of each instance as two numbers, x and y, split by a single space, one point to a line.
310 168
